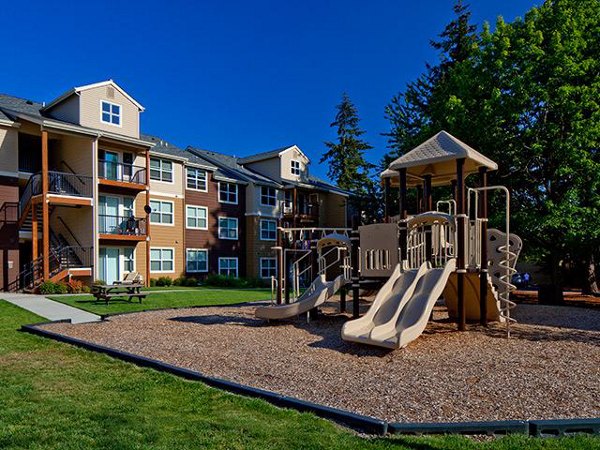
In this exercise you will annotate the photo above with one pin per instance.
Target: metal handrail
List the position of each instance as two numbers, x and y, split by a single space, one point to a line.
119 171
121 225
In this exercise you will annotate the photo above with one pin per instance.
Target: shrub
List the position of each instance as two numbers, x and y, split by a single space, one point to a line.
180 281
99 281
75 287
61 288
164 281
86 289
191 282
219 280
152 282
47 288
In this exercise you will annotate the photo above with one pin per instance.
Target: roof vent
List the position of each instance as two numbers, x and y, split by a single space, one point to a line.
29 102
110 92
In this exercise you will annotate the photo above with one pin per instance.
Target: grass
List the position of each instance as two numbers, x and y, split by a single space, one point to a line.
54 396
157 299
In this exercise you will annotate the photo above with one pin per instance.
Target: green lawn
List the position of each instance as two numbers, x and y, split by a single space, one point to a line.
155 300
54 396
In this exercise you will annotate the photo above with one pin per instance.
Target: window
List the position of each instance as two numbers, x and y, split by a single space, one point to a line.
111 113
161 259
228 193
128 261
268 267
228 267
196 179
228 228
197 217
162 212
161 170
268 230
268 196
196 260
295 167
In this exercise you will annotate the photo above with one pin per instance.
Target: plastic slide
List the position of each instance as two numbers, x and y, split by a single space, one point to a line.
412 315
389 301
316 294
472 307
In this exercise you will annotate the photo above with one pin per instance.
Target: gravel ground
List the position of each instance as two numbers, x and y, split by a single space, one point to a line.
550 368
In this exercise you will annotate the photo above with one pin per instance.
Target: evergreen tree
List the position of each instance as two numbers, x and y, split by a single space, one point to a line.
346 158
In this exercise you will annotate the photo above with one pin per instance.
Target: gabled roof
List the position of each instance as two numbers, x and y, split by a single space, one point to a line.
436 157
77 90
230 168
269 154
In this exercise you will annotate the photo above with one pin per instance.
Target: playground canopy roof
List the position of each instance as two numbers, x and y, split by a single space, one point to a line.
437 157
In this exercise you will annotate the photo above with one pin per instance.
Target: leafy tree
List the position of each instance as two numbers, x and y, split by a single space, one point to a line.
528 96
346 158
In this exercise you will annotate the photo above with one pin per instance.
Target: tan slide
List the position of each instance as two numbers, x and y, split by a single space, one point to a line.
411 318
388 303
316 294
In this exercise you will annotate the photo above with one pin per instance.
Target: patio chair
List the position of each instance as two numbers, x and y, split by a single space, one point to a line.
131 278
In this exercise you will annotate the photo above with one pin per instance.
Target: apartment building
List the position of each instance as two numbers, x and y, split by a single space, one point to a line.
83 194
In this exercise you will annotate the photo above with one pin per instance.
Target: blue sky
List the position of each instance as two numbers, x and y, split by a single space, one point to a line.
237 77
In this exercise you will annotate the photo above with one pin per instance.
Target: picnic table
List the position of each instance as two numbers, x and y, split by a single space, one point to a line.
107 292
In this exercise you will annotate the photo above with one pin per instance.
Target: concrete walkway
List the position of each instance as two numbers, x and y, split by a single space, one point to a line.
49 309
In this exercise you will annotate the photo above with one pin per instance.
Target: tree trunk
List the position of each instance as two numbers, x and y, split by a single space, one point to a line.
590 282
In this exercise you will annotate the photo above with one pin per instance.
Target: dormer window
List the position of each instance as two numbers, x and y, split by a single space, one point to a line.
295 167
110 113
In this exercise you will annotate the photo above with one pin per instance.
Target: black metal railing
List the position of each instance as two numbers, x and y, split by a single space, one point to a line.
70 184
126 226
303 209
116 171
9 212
33 187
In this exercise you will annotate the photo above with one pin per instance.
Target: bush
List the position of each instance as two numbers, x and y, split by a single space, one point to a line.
47 288
152 282
99 281
164 281
61 288
191 282
75 287
86 289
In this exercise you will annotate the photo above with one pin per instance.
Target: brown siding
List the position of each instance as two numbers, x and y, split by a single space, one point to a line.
256 248
9 234
208 239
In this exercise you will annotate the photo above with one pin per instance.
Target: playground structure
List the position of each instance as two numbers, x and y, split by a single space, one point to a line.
448 252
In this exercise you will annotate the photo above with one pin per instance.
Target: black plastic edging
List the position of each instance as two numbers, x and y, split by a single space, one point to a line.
347 418
497 427
561 427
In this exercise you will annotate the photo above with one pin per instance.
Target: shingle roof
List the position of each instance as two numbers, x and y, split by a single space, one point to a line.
231 168
263 155
10 103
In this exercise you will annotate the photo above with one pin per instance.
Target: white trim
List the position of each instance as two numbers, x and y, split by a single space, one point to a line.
161 260
161 171
201 166
196 250
172 224
237 228
260 229
260 262
186 217
237 264
261 196
165 194
186 179
292 168
120 124
162 155
237 194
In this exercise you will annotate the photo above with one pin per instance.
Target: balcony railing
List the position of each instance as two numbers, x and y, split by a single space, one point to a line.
115 171
309 210
120 225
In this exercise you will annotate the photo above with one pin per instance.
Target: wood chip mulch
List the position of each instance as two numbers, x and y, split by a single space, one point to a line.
550 368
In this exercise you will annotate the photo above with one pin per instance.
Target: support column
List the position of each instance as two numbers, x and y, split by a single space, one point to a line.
483 272
355 240
386 194
280 268
34 232
45 208
343 289
420 203
148 235
403 213
427 206
295 208
453 187
460 213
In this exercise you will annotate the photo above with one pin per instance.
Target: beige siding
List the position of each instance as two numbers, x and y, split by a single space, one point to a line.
176 188
286 165
90 108
9 145
76 152
253 206
268 167
67 110
78 220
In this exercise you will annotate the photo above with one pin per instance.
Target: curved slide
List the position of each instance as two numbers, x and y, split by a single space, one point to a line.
316 294
388 303
412 312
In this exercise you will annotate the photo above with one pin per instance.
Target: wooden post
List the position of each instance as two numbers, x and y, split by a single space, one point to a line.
355 240
403 214
419 199
34 232
483 271
453 187
45 208
148 235
428 206
386 193
460 210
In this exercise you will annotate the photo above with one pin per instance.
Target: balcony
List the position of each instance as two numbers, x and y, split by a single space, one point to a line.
63 188
122 228
305 212
118 174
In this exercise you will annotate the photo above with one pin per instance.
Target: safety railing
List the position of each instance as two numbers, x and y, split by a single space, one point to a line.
116 171
298 272
70 184
434 230
121 225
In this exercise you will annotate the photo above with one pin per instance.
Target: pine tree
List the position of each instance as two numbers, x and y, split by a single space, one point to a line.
346 158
